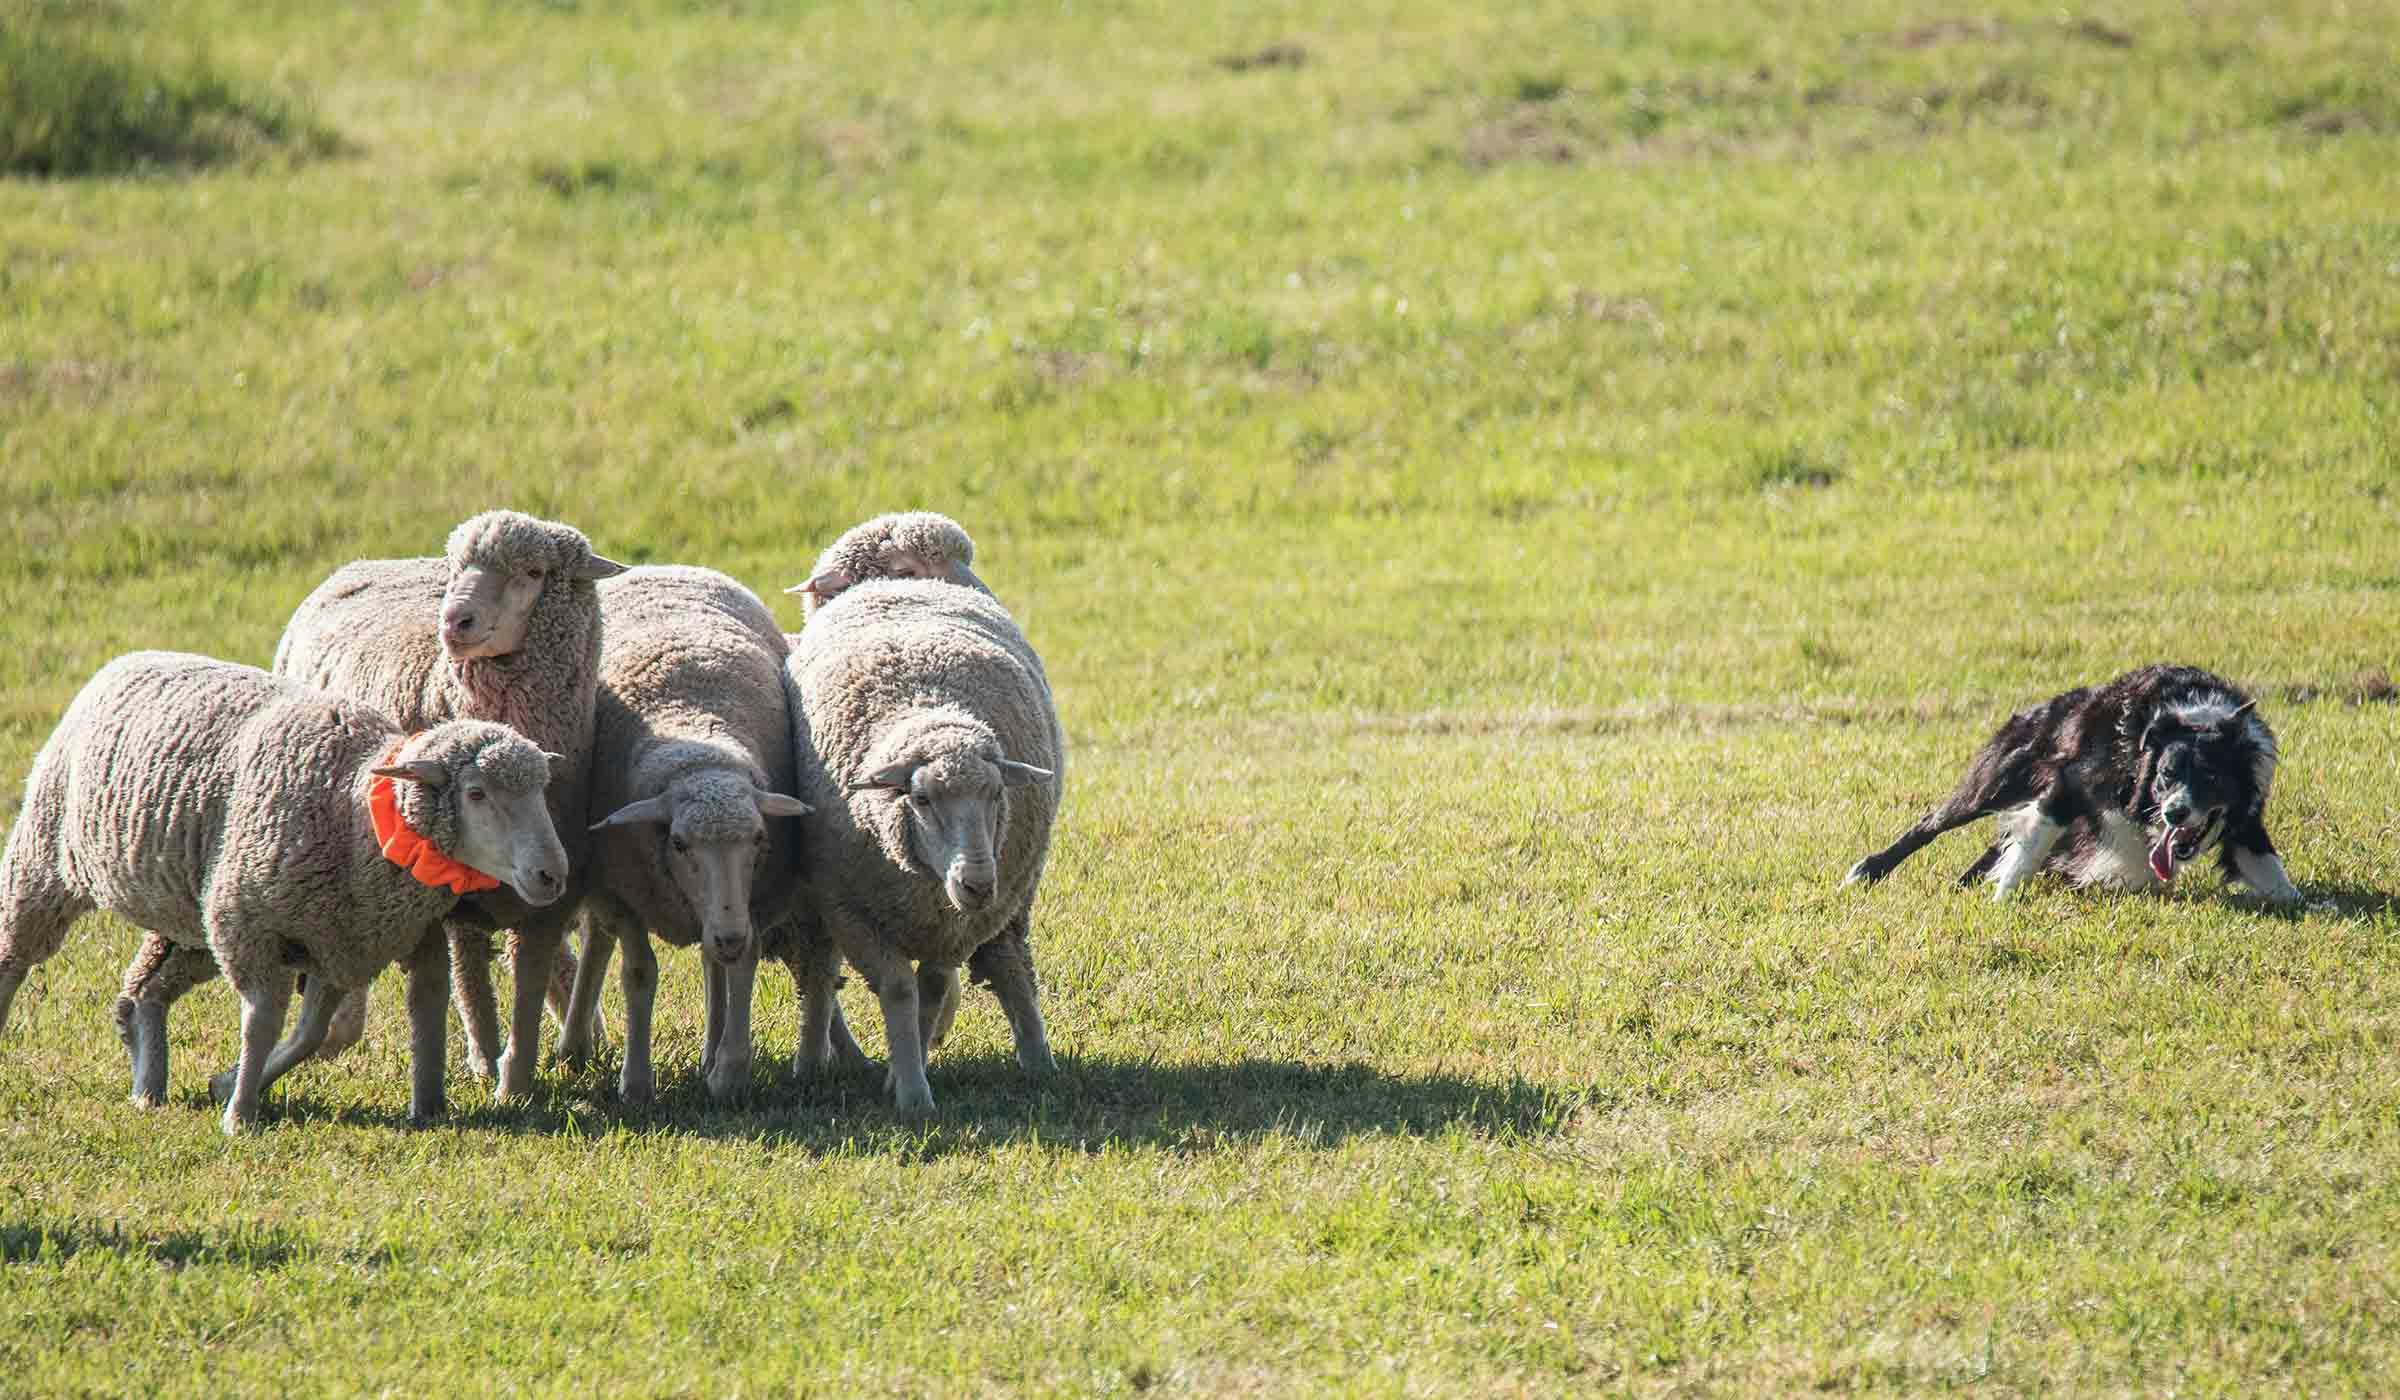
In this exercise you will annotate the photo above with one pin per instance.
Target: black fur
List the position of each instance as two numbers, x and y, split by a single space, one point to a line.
2166 746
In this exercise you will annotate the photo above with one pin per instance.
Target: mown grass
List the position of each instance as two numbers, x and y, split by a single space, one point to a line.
1513 501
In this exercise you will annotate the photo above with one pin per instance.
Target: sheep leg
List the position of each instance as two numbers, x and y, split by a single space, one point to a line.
532 953
266 995
579 1039
478 1005
937 1004
1006 966
157 977
636 1082
428 1027
143 1026
317 1007
730 1054
563 976
36 910
895 985
712 1010
812 979
348 1026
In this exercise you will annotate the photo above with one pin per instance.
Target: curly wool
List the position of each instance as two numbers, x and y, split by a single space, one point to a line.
912 667
691 687
370 631
225 808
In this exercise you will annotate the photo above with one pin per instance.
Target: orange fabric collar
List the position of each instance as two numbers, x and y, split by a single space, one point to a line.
406 847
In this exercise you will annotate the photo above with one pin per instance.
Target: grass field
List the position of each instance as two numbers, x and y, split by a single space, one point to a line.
1513 499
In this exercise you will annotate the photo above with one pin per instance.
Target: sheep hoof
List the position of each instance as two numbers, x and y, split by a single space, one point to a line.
637 1091
220 1087
139 1099
728 1079
237 1123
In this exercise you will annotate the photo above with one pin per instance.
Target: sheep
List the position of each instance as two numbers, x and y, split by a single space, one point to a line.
691 759
930 749
901 544
280 828
505 626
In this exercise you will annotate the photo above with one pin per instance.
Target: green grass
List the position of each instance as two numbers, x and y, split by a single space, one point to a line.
1514 500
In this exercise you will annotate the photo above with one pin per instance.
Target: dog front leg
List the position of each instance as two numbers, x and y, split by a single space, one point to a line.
2256 864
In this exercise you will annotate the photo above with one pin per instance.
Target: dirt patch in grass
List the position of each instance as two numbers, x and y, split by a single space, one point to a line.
79 381
1284 55
2372 686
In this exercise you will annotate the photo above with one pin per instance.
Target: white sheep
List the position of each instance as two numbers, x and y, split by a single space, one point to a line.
690 777
504 626
279 828
929 746
901 544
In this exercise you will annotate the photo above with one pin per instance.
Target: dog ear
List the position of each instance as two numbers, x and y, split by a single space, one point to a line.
2245 708
2164 729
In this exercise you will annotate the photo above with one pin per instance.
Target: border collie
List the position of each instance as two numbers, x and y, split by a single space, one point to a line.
2118 785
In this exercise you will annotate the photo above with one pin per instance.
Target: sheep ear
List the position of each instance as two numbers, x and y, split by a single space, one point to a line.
431 772
649 809
964 577
826 585
596 568
894 776
1015 774
557 762
775 804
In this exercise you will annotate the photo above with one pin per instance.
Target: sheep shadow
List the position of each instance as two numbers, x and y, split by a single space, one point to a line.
1089 1105
250 1247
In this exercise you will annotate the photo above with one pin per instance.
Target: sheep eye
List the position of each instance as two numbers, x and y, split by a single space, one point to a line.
535 574
681 845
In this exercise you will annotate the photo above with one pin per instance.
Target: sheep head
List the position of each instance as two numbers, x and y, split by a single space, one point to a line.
951 801
476 790
906 544
502 564
711 829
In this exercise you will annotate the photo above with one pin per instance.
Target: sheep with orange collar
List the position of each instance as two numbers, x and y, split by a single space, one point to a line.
503 626
280 829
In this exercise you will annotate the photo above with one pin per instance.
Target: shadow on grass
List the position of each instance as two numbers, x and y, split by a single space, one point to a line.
987 1102
239 1246
2346 901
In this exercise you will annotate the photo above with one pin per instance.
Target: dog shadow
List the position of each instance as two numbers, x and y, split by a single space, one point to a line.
2344 902
986 1101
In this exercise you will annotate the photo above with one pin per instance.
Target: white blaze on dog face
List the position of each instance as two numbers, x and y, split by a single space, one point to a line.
2202 756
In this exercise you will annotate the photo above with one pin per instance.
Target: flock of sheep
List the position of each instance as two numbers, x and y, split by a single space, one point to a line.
521 730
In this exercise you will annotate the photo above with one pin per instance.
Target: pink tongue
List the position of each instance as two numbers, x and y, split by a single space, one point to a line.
2162 857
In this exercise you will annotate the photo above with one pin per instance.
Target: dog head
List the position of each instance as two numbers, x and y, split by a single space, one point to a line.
2202 770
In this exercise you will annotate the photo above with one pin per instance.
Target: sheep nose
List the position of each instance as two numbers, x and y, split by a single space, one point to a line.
547 879
727 947
977 887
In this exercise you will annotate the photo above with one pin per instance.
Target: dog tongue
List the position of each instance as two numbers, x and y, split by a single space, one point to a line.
2162 857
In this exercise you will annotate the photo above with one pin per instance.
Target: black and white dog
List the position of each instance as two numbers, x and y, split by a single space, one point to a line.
2118 785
